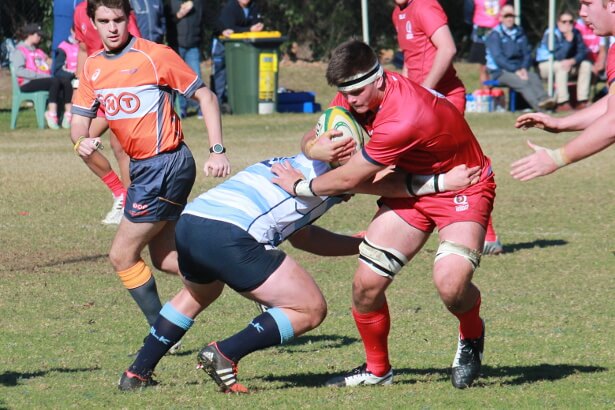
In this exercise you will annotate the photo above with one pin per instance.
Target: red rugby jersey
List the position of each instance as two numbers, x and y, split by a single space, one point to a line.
417 130
610 66
415 25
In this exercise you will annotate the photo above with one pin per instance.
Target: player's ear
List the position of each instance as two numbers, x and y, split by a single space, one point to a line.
380 82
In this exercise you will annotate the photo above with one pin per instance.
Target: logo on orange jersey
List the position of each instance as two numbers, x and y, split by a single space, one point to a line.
96 74
129 71
125 102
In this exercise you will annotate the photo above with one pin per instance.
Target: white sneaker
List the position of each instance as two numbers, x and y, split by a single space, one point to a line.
175 348
261 308
52 120
66 120
493 247
114 216
360 376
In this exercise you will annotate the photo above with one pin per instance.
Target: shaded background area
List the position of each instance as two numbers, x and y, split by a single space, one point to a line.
315 25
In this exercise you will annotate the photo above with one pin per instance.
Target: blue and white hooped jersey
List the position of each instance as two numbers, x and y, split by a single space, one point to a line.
252 202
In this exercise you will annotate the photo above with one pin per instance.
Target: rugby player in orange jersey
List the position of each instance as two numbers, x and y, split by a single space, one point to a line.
134 80
90 42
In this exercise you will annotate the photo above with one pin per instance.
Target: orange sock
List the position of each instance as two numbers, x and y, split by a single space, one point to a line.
470 323
374 330
136 275
114 184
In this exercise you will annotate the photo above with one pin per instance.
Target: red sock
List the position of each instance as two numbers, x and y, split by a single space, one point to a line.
114 184
490 236
374 330
470 323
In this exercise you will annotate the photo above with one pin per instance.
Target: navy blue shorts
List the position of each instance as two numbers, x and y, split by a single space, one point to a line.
160 186
210 250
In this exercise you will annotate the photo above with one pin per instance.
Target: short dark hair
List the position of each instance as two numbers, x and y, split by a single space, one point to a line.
93 5
350 58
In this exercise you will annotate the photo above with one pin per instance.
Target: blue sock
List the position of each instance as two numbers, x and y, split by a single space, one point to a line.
169 328
271 328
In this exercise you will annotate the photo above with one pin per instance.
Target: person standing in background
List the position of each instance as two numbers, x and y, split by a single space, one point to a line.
150 19
486 16
63 11
237 16
188 17
65 62
429 49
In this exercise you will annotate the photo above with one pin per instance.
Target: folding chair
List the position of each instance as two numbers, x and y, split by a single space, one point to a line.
39 98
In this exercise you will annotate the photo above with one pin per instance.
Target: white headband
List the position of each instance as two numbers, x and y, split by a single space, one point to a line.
362 79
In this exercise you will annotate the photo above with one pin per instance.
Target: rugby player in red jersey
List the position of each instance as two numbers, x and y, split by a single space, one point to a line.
420 132
429 49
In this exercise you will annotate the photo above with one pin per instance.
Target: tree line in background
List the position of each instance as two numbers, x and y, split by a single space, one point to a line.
316 26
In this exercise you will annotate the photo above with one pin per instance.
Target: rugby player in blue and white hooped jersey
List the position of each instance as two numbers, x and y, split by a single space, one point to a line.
251 202
228 236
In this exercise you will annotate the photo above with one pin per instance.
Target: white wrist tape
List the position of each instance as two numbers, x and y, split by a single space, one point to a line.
418 185
558 156
441 186
304 188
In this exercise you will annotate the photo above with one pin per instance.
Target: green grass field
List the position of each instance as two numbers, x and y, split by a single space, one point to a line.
67 325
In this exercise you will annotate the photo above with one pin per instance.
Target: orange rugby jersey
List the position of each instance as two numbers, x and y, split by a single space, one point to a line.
135 89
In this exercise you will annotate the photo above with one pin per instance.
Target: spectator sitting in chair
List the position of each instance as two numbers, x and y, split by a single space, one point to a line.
570 55
65 62
33 70
509 59
485 17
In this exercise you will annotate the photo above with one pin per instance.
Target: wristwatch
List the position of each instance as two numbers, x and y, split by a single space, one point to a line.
217 149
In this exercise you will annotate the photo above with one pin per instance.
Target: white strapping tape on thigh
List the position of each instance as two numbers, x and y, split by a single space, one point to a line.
448 248
384 261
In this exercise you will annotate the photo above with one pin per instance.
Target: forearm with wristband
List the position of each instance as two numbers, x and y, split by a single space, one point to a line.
303 187
558 156
416 185
97 145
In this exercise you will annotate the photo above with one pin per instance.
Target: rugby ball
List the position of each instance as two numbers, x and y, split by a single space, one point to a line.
338 118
